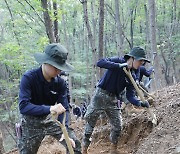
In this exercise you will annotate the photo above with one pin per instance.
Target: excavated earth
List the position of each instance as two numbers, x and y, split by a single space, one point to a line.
139 135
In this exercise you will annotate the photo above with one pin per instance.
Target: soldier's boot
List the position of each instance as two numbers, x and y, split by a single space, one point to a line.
84 150
113 149
85 143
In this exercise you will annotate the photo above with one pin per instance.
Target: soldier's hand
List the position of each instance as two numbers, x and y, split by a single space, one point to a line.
58 109
145 104
70 139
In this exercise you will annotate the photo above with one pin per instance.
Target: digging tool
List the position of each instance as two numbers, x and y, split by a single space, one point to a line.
128 73
148 83
140 87
63 128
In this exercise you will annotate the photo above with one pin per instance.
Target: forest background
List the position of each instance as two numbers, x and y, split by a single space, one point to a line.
90 30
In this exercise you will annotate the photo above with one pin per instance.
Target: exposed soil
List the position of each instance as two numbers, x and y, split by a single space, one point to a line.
139 135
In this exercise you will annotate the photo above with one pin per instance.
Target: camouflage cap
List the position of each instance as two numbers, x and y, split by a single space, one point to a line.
55 55
137 53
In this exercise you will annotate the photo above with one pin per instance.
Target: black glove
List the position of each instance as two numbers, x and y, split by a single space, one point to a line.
145 104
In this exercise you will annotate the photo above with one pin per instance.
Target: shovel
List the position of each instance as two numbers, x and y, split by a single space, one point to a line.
63 128
153 116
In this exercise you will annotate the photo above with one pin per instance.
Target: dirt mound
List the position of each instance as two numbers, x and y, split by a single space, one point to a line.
48 146
165 138
51 146
139 135
134 130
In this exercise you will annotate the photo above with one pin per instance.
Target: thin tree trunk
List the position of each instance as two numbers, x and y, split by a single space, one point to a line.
94 34
119 29
131 30
147 47
154 59
166 67
91 40
55 21
66 40
88 75
48 22
101 33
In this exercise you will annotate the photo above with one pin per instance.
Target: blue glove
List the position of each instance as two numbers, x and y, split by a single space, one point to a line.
123 65
145 104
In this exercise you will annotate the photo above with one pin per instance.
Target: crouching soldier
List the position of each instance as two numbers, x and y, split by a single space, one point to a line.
42 91
113 82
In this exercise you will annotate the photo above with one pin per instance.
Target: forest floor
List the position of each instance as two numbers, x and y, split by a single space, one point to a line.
139 135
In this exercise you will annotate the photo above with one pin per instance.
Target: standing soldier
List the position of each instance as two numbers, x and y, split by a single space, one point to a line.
113 82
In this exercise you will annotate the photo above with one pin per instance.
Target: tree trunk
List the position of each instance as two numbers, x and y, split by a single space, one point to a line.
1 143
94 34
147 30
131 30
101 34
119 29
48 22
91 39
66 40
55 21
154 55
166 74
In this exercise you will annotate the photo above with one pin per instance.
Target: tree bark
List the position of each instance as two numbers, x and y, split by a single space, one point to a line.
91 40
154 55
48 22
147 30
119 29
133 16
101 34
56 22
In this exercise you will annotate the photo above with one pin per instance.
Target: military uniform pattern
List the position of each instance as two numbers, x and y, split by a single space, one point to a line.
34 130
102 102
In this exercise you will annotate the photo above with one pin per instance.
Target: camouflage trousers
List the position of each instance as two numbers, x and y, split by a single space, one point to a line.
34 129
102 102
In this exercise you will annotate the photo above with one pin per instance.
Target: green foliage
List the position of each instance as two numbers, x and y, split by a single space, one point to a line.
10 56
24 33
79 93
13 57
9 99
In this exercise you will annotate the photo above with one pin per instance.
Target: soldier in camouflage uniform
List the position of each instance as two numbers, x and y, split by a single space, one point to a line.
42 91
113 82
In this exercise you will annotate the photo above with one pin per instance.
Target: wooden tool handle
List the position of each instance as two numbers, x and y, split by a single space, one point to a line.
63 128
128 73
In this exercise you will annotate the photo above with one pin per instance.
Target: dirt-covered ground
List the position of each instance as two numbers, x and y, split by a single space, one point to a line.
139 135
